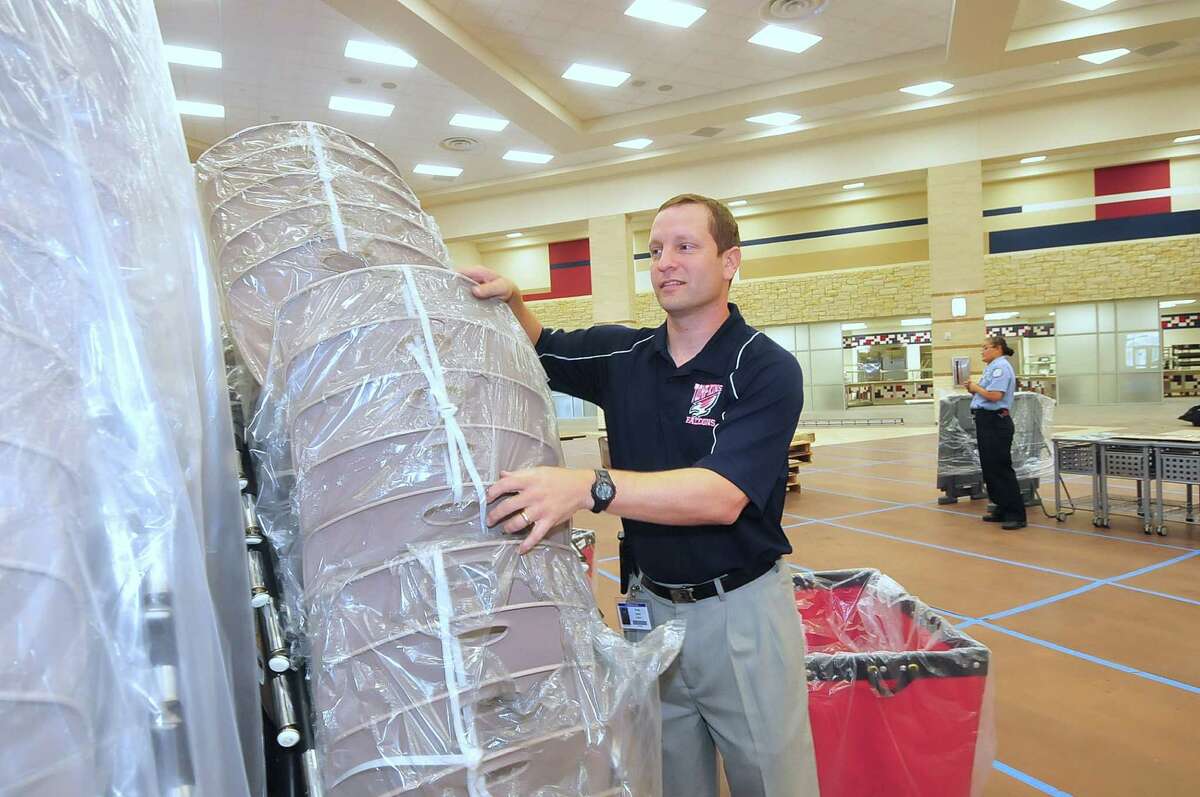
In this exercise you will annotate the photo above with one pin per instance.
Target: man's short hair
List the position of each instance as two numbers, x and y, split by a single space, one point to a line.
721 223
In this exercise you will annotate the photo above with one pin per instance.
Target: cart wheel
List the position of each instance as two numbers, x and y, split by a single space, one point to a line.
945 499
1060 517
1162 531
1147 529
1096 523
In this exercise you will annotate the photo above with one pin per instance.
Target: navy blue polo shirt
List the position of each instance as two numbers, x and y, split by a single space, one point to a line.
732 409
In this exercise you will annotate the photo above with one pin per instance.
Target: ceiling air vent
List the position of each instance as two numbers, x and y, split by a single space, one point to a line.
1151 50
442 178
792 10
707 132
460 143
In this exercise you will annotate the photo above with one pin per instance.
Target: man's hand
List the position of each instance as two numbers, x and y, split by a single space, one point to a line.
490 284
546 496
969 385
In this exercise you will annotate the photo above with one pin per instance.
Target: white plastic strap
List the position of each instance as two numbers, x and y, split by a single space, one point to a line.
326 176
431 366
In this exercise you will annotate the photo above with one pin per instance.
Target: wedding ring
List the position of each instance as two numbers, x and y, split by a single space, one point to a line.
525 517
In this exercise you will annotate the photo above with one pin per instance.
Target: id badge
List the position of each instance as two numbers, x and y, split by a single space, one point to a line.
634 616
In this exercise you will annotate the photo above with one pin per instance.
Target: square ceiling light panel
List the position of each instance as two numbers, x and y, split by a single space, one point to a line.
781 38
478 122
774 119
668 12
931 89
635 143
379 54
368 107
1104 56
193 108
527 157
598 75
191 56
1089 5
433 170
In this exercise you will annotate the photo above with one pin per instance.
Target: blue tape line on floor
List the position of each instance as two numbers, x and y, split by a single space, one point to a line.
1029 780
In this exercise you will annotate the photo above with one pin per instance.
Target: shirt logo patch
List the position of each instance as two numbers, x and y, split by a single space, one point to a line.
704 398
996 374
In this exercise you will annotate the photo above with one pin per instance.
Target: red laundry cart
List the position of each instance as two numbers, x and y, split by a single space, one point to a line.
899 700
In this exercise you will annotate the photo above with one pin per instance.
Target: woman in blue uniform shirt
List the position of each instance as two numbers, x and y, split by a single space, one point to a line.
991 404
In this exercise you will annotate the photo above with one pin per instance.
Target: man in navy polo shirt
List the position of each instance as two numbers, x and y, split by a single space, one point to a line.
700 412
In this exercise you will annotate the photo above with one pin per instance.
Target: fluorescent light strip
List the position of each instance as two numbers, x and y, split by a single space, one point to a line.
915 322
852 186
513 235
668 12
478 122
1090 5
192 56
1033 159
437 171
930 89
599 75
1175 303
379 54
1000 316
781 38
635 143
737 203
774 119
1104 56
193 108
853 325
1187 139
527 157
368 107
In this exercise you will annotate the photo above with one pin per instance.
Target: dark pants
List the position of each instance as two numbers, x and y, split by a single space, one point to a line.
995 435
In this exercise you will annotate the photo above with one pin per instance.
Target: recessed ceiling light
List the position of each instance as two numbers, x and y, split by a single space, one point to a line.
191 56
668 12
527 157
852 186
1186 139
915 322
854 325
437 171
1033 159
1000 316
379 54
193 108
794 41
737 203
774 119
1090 5
478 122
1104 56
635 143
596 74
369 107
928 89
514 235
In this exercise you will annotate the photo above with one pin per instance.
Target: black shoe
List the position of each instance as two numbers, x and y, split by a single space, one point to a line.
992 519
1013 525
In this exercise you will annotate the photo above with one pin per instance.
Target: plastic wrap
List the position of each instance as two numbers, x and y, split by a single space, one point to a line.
1033 424
119 504
900 702
294 202
441 661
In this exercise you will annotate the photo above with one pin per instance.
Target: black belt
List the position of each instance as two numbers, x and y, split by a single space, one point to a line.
698 592
978 410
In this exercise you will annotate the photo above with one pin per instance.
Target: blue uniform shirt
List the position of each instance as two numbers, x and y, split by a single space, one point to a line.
731 409
997 375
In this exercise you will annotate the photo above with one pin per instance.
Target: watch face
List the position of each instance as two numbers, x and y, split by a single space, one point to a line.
604 491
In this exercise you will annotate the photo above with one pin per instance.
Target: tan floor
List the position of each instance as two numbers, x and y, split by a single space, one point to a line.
1098 692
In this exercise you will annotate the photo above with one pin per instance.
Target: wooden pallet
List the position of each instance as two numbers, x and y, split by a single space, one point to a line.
800 451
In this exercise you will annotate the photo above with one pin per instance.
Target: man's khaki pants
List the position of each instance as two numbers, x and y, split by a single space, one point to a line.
738 686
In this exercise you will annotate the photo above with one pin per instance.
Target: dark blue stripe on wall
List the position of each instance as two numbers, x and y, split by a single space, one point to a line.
804 236
1002 211
572 264
1126 228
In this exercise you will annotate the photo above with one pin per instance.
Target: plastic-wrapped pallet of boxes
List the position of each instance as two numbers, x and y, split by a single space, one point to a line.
442 662
900 702
958 472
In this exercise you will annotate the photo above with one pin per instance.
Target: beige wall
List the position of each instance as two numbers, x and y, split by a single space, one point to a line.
528 266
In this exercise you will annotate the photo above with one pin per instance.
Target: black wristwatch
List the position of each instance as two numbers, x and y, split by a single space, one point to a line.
603 491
